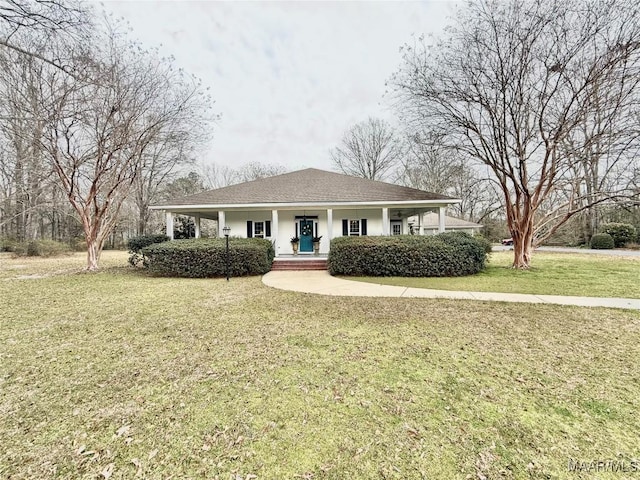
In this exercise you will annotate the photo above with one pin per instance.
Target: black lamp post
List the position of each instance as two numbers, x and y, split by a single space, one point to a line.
227 231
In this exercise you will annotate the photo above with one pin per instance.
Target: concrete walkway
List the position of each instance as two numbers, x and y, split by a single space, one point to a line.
320 282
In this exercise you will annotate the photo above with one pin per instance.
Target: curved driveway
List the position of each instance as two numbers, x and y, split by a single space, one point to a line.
321 283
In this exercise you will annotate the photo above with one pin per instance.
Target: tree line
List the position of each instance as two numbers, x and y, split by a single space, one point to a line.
91 123
528 110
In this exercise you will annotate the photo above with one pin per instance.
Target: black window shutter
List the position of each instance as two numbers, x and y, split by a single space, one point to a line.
249 229
363 226
345 228
267 228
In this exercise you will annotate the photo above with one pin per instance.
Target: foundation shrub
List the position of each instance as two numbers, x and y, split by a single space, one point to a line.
136 244
448 254
204 258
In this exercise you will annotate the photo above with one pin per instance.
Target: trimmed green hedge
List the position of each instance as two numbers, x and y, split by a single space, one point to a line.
203 258
136 244
448 254
602 241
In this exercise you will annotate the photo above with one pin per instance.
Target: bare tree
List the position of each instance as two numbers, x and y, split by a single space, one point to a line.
48 18
31 32
369 149
176 143
255 170
512 85
427 165
218 176
26 172
101 128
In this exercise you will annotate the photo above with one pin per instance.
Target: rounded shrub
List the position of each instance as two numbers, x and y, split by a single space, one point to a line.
485 242
136 244
622 233
602 241
204 258
448 254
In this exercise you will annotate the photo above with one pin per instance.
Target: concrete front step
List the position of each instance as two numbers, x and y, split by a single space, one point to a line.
299 265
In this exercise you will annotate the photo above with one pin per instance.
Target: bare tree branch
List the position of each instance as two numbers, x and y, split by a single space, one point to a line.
369 149
532 90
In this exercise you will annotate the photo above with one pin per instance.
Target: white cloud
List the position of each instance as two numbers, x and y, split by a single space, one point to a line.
288 77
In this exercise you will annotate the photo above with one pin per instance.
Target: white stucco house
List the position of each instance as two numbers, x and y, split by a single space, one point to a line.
308 203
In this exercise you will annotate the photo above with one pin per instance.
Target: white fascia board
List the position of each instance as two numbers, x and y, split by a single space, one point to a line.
279 206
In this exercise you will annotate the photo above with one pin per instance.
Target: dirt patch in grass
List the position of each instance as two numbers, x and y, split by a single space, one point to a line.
116 374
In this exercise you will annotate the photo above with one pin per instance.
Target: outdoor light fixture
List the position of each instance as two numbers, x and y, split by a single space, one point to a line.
227 230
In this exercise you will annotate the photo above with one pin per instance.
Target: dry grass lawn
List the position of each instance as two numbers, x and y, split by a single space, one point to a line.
117 375
586 275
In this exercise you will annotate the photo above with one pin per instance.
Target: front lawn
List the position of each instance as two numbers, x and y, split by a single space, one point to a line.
586 275
114 374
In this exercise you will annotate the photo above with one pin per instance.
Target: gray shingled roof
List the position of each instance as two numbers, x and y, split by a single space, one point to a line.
307 186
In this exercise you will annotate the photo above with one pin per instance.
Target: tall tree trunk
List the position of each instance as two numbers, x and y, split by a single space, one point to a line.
522 235
93 255
95 244
143 218
522 251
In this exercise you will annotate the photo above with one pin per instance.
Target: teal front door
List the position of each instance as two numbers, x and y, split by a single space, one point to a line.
306 235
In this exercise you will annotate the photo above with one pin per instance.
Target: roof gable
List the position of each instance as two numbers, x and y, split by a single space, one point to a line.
307 186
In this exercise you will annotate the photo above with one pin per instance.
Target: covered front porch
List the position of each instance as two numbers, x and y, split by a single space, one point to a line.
313 222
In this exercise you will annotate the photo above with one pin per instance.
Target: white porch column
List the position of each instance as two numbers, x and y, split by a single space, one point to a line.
385 221
222 222
329 224
274 230
196 222
170 225
420 218
441 219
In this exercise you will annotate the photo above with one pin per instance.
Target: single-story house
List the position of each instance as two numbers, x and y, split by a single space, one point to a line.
309 203
430 224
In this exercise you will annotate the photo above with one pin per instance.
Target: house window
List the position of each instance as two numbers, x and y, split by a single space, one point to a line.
354 228
258 229
396 228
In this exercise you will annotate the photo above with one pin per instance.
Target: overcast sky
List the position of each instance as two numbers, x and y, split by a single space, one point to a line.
288 78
